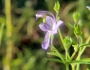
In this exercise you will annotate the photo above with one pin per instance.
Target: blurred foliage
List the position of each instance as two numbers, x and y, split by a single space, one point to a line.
27 37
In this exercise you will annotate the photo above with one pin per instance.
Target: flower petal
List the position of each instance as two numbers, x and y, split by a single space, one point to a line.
38 16
48 26
59 23
53 31
44 27
42 13
51 22
46 41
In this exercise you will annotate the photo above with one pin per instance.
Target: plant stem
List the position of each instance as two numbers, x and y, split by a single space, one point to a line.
73 66
78 65
78 40
1 32
7 60
66 55
61 38
67 67
73 55
58 54
83 49
60 35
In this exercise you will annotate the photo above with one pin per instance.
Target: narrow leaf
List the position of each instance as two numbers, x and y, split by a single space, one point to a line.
55 60
55 54
82 61
84 45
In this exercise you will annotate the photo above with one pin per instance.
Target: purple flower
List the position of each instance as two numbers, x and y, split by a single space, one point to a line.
50 27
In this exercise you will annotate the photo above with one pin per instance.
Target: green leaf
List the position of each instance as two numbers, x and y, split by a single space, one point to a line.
82 61
56 6
67 42
55 60
77 30
55 54
75 47
76 16
84 45
52 53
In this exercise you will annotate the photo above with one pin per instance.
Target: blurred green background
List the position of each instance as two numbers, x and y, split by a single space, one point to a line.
22 49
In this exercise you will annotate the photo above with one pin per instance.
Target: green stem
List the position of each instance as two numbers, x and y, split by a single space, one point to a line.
66 55
83 49
73 66
67 67
59 54
79 40
60 36
1 32
81 52
78 65
9 43
73 55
